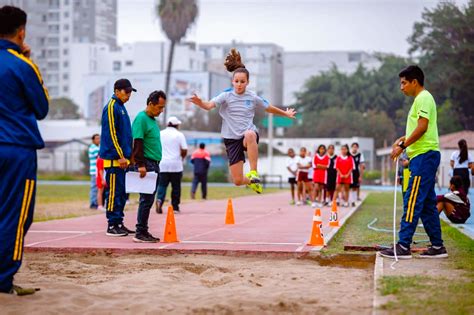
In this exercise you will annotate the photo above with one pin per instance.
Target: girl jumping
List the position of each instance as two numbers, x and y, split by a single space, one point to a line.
237 108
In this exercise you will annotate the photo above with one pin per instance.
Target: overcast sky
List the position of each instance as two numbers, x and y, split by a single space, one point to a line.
296 25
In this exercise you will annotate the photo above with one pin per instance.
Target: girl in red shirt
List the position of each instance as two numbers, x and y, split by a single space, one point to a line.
320 165
344 166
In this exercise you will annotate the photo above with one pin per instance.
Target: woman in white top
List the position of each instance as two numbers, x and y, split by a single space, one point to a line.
462 162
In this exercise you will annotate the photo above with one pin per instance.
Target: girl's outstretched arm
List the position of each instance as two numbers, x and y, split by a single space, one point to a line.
203 104
289 112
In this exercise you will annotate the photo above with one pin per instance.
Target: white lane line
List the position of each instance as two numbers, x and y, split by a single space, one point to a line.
222 228
54 240
238 243
63 232
299 249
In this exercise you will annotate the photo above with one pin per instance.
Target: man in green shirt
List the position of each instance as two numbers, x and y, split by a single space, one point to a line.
421 143
147 156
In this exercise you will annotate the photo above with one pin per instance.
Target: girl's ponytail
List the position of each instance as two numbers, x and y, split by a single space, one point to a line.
233 63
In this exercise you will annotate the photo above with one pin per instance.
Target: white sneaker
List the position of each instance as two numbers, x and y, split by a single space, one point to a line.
346 205
299 203
101 208
314 204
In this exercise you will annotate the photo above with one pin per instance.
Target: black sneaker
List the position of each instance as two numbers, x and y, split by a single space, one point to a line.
115 230
145 238
159 205
126 229
353 204
401 253
434 253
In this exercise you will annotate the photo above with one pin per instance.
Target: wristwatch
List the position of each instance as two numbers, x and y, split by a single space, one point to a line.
401 144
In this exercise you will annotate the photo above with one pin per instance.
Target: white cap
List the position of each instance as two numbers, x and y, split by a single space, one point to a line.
174 121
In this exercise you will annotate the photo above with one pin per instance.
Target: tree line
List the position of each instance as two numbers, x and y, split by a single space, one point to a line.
369 102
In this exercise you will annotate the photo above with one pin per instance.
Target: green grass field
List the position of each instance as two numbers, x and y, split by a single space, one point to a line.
356 232
413 294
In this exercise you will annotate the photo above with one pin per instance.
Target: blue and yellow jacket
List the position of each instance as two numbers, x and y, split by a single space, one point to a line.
116 136
23 98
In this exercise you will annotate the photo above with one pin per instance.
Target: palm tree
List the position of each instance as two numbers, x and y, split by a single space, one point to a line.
176 17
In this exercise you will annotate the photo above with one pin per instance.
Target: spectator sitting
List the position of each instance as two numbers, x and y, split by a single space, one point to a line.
455 203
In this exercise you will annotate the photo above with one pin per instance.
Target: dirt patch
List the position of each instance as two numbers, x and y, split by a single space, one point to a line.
188 284
358 261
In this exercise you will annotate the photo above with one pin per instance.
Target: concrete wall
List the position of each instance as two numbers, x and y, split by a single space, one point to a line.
66 158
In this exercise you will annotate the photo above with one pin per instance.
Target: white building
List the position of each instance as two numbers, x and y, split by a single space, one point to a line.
65 144
300 66
54 25
263 60
147 58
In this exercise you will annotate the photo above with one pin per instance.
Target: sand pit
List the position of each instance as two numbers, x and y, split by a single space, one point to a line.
187 284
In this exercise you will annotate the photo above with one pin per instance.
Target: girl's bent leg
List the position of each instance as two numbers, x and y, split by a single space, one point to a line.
237 173
250 142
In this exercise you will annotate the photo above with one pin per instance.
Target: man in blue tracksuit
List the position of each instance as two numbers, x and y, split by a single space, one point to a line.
421 143
115 149
23 101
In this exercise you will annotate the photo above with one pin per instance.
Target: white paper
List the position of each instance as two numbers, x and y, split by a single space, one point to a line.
145 185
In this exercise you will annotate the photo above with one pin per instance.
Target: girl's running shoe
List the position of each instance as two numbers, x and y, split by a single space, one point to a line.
254 182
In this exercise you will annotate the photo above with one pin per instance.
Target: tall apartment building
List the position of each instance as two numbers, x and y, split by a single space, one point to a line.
263 60
54 25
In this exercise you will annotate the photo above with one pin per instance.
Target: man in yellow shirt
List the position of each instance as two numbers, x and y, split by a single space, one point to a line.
421 143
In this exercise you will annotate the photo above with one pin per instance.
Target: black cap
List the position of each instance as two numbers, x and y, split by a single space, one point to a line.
123 84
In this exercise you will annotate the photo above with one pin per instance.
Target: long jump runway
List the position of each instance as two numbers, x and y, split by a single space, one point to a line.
263 224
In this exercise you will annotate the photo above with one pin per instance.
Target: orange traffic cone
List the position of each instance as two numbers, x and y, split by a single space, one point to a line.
334 220
229 216
317 237
170 228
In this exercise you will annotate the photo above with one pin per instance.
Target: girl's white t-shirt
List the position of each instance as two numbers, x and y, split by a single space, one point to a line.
303 161
465 164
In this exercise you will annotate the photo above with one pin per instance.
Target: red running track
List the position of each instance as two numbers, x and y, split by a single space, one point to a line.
263 223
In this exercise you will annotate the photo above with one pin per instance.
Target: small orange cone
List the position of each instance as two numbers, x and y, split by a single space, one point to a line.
229 216
334 220
170 228
317 237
